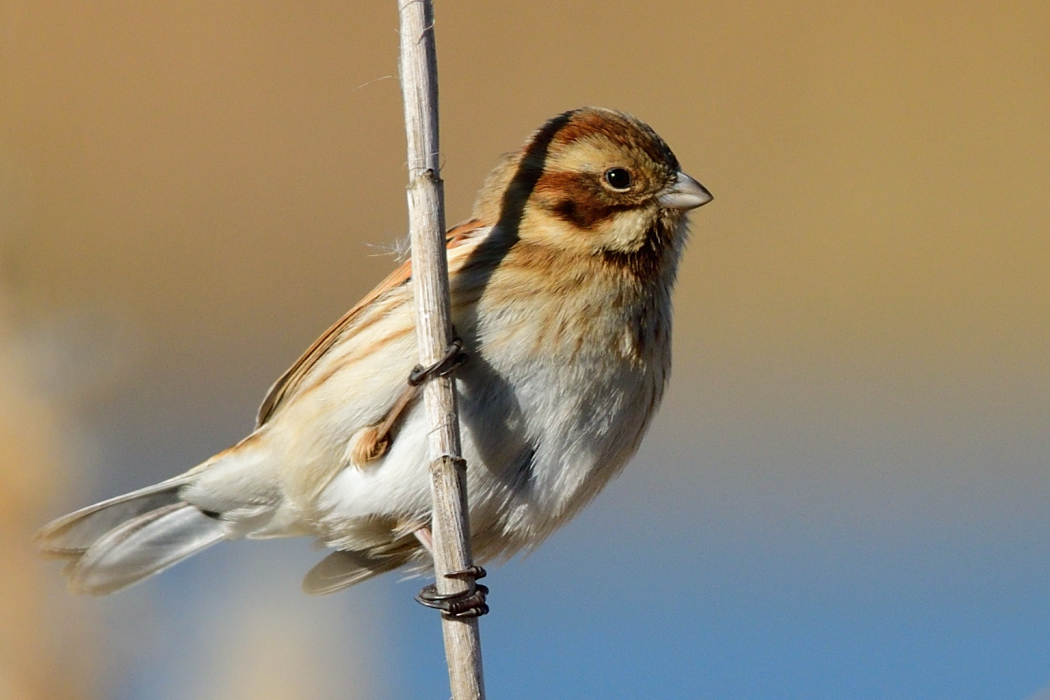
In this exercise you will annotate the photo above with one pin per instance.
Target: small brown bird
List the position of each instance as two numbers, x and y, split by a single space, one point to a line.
561 293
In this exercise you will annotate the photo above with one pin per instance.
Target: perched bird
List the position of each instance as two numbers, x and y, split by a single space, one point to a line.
561 294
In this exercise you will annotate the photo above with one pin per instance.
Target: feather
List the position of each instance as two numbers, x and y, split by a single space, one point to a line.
560 290
286 385
144 546
72 535
343 569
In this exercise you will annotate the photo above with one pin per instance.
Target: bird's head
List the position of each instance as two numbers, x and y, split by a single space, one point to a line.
591 181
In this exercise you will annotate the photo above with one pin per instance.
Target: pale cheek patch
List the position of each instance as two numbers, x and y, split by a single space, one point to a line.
626 230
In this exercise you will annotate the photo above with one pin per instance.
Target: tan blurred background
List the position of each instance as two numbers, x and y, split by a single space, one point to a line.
190 192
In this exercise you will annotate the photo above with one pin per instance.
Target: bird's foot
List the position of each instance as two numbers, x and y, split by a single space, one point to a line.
454 357
469 603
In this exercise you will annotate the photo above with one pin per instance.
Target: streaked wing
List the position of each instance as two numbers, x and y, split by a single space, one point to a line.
288 381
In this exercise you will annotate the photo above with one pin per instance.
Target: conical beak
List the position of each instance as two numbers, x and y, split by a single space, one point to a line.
685 193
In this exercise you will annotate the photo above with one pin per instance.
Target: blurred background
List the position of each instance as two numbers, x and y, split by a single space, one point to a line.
845 493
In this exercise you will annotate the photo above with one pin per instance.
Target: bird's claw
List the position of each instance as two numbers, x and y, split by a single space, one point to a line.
454 357
469 603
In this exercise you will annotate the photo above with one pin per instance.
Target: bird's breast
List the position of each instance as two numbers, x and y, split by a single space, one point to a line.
556 395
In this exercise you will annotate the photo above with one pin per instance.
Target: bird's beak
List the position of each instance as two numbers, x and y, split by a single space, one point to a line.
685 193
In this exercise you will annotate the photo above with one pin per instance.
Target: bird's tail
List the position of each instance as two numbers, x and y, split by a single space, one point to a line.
118 542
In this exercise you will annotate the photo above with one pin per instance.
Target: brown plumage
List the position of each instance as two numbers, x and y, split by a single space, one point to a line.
561 291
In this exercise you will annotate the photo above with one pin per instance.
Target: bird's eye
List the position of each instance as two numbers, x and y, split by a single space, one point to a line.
618 178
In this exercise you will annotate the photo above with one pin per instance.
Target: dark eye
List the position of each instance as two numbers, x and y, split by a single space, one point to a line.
618 178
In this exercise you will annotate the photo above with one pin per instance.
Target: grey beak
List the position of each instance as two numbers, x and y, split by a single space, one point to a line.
685 193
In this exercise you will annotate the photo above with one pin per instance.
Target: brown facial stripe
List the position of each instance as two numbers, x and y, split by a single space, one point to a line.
577 199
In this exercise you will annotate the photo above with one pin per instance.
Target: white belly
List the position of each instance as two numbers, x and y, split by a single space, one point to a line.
535 454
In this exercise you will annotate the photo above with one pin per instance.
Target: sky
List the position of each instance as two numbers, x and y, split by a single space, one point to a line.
844 493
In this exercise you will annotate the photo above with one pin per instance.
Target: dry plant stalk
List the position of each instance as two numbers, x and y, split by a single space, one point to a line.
426 210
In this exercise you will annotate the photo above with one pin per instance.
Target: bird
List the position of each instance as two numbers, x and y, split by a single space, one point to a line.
561 295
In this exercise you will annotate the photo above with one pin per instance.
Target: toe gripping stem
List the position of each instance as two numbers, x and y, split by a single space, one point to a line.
453 358
469 603
458 605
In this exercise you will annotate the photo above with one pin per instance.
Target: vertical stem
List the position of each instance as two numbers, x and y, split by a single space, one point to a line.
426 211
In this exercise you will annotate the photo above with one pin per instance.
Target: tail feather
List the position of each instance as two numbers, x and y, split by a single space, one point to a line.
71 535
118 542
143 546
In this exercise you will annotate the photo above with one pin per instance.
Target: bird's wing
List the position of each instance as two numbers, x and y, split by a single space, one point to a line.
286 384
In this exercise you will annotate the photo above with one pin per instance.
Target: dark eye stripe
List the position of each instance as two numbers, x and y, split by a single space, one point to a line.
579 198
574 198
584 217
